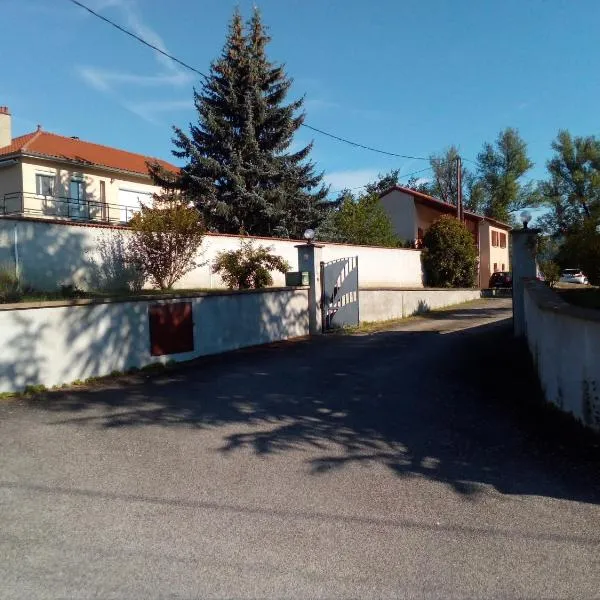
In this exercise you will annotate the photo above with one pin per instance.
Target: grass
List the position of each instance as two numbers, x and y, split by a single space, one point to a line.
37 390
40 296
585 296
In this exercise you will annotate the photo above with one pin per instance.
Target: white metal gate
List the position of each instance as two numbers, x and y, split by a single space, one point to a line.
340 293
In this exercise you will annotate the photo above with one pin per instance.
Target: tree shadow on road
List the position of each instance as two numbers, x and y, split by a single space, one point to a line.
463 408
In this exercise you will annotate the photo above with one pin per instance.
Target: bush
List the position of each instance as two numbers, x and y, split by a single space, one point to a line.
551 272
249 267
360 221
165 239
9 285
112 271
450 254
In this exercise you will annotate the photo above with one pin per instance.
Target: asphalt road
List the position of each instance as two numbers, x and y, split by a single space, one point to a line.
410 463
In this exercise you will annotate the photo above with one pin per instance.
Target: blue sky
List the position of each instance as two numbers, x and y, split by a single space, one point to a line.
408 76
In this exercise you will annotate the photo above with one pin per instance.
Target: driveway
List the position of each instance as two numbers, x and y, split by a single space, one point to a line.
412 463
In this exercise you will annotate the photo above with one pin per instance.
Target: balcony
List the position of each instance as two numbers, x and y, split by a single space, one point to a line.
60 207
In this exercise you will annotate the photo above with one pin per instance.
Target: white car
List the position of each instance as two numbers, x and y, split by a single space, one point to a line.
573 276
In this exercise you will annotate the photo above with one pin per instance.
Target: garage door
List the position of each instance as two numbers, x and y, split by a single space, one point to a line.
130 201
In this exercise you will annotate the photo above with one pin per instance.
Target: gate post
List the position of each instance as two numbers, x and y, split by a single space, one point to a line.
524 267
309 259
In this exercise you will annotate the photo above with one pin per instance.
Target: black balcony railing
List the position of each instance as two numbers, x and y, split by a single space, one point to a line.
60 207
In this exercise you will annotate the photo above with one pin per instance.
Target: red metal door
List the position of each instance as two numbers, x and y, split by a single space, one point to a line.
171 328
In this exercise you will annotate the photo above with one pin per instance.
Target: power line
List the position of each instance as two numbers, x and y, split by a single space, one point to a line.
137 37
187 66
341 139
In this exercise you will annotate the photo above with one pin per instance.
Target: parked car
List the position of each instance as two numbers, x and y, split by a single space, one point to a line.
573 276
501 279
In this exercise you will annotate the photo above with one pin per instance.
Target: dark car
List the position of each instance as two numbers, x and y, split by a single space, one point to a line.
501 279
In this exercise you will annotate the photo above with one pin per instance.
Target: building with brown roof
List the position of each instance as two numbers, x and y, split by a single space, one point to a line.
412 213
47 175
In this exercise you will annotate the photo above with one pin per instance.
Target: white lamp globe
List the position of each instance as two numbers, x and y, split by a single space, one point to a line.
525 218
309 235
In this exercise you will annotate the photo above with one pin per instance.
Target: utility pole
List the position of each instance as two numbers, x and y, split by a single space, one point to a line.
459 202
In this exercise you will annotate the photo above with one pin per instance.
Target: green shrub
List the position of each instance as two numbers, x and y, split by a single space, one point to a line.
70 290
165 239
360 220
9 285
32 390
551 271
249 267
450 254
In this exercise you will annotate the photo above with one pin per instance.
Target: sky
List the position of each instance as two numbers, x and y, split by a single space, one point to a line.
407 76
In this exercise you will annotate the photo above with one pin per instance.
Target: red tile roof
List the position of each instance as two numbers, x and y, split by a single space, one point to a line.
443 206
51 145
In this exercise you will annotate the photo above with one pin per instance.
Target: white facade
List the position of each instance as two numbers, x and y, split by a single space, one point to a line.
105 194
401 210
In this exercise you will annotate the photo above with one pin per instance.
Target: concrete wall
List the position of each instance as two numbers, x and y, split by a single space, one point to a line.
382 305
91 257
564 341
59 344
400 208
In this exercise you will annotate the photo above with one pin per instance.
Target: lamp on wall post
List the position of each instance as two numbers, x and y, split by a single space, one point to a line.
309 261
524 245
309 236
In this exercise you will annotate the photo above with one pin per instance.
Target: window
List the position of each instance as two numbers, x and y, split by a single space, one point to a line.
77 189
76 204
44 185
503 267
494 239
503 242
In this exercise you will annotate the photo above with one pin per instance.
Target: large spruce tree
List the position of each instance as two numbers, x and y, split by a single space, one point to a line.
240 170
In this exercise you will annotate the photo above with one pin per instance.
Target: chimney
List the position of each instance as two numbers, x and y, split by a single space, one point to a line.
5 127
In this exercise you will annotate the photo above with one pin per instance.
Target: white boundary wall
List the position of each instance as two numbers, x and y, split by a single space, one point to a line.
383 305
564 341
51 254
59 344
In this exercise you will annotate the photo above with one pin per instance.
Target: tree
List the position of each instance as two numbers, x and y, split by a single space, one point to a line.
165 239
500 170
249 267
551 271
581 249
450 254
239 167
572 191
383 183
361 220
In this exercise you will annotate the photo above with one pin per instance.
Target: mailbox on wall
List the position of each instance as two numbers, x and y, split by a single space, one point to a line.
171 328
296 278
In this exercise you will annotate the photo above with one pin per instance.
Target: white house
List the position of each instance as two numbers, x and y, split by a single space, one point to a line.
47 175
